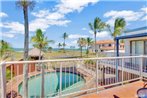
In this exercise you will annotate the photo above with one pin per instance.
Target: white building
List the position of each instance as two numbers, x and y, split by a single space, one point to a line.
135 41
106 46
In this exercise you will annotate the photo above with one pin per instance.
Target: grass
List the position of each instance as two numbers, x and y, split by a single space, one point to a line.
55 55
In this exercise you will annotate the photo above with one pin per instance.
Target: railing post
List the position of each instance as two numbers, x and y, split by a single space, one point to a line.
42 83
60 89
141 66
3 80
122 71
97 81
117 63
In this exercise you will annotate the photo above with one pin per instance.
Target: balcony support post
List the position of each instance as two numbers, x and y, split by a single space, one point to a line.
2 80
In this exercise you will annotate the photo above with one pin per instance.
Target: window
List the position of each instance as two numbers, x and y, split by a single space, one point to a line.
109 45
138 47
145 46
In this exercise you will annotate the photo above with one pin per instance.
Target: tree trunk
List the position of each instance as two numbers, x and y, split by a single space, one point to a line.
88 50
26 48
64 46
95 42
114 48
81 51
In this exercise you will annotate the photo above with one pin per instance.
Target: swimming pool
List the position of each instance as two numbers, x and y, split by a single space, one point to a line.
70 83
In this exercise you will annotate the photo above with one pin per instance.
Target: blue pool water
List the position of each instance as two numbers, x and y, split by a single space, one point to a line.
70 83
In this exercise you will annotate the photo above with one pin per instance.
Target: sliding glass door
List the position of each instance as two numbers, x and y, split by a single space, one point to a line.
145 47
137 48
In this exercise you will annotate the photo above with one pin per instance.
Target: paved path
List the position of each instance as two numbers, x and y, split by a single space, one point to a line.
125 91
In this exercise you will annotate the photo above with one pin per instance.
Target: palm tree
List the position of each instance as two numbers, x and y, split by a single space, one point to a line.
40 42
89 42
59 45
119 26
81 43
97 26
25 4
50 49
65 36
5 49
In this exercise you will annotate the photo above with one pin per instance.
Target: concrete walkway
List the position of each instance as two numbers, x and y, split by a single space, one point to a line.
123 91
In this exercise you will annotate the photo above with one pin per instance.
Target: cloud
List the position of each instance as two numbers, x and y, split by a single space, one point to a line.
75 36
40 13
129 15
45 23
2 14
8 35
13 27
72 43
68 6
45 18
144 9
38 23
55 16
144 18
84 29
102 35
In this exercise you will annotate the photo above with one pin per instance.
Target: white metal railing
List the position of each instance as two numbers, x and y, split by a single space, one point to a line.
70 77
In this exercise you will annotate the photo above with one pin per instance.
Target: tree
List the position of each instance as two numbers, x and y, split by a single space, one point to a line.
81 43
25 4
50 49
5 49
89 42
119 26
59 45
65 36
40 41
97 26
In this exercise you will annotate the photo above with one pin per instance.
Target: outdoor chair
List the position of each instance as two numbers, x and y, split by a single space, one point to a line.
142 92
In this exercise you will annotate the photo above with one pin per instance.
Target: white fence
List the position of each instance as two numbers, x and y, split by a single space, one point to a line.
69 77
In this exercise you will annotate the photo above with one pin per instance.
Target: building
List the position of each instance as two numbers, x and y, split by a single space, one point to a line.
106 46
135 42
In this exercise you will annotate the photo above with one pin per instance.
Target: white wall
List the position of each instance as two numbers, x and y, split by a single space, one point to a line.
128 46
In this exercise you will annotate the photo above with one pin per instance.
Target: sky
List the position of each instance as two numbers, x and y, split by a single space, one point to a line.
55 17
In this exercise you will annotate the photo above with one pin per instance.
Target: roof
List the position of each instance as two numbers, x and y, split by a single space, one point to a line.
105 42
137 29
35 52
132 36
109 48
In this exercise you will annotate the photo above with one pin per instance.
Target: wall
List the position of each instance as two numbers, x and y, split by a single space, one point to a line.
17 69
128 46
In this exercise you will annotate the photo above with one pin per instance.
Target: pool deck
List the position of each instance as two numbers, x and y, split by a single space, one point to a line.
123 91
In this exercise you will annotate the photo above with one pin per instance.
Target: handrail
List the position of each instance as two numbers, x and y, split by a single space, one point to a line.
101 76
79 59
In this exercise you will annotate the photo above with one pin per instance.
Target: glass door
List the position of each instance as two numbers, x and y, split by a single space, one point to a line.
145 52
136 50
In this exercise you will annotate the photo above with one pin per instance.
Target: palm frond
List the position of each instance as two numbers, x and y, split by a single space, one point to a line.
25 3
91 26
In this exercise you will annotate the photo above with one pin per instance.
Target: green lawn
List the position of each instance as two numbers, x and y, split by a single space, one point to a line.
55 55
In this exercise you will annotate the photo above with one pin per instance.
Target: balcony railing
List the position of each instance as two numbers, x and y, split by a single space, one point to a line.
69 77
